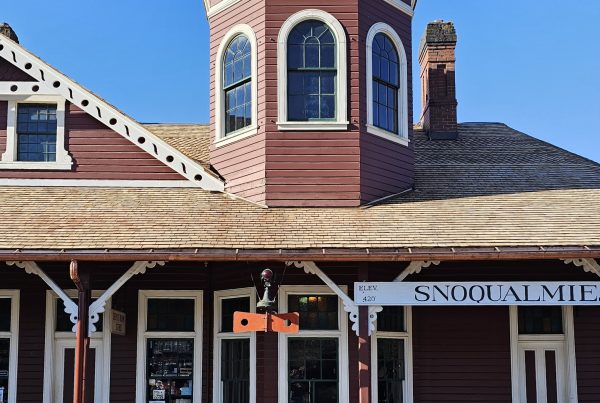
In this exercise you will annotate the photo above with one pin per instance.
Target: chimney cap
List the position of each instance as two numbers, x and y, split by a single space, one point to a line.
7 31
438 31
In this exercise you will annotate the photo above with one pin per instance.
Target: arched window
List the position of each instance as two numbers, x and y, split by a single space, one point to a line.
387 96
237 84
386 83
312 71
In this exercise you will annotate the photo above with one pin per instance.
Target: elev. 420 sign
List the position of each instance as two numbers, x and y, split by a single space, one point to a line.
477 293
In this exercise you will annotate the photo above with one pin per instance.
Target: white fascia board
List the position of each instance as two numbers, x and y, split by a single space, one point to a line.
51 81
402 6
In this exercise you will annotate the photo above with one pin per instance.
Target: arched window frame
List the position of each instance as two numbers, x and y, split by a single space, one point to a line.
220 137
341 121
402 136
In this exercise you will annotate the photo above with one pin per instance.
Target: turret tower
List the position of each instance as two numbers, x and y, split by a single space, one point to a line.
311 102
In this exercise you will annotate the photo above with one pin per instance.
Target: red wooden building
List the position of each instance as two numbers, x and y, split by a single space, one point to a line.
311 166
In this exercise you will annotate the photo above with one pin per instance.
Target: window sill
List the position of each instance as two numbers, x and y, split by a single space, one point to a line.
312 126
46 166
388 135
236 136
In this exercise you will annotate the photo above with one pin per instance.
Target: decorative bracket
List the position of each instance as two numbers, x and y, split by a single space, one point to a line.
415 267
588 265
98 306
70 307
349 306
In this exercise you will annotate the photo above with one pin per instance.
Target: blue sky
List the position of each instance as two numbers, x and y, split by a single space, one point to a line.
531 64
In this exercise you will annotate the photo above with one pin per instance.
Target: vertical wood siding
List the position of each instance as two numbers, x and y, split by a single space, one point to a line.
587 348
98 153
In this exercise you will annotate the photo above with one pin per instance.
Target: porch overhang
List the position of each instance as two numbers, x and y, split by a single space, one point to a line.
312 254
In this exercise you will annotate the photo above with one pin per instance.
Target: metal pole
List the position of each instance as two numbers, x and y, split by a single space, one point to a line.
82 346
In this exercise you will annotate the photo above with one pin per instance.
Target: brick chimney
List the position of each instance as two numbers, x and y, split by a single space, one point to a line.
438 88
7 31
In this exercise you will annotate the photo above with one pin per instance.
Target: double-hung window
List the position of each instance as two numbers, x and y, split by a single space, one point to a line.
313 363
391 349
35 135
9 325
235 353
169 346
236 91
312 73
387 96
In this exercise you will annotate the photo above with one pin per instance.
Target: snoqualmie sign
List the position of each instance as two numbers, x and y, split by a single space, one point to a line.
472 293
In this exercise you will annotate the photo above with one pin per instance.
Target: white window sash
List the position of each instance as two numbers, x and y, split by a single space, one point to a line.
219 296
13 337
221 138
341 334
402 136
341 102
144 335
9 157
408 356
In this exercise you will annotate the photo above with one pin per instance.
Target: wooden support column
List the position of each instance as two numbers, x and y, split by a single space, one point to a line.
364 347
82 346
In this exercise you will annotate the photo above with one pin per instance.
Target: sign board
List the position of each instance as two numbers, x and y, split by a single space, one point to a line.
477 293
117 322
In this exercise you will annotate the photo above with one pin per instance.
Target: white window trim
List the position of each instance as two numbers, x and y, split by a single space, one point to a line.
143 296
402 136
341 334
408 356
9 157
220 138
568 338
52 336
341 122
13 336
220 336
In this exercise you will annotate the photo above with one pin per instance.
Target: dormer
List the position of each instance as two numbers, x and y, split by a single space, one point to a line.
311 106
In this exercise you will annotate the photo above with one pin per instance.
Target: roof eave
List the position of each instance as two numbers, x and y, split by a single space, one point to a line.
312 254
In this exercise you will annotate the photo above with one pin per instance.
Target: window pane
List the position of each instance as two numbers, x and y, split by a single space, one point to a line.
170 315
36 130
235 370
228 307
237 61
63 320
328 106
313 370
390 370
327 83
4 365
540 320
5 308
328 56
391 319
317 312
169 369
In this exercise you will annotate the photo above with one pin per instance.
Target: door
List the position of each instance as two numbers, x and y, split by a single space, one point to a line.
542 372
64 360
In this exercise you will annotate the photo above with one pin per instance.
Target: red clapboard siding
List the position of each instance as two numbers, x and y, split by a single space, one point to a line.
98 153
587 348
8 72
386 167
242 163
294 175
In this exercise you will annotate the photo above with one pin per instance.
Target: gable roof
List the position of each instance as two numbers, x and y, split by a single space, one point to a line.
51 81
492 190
